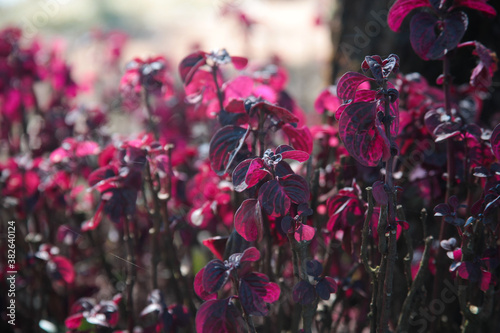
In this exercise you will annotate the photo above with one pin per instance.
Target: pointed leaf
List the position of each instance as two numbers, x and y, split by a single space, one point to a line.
348 84
401 9
190 64
288 152
248 220
379 193
224 146
215 276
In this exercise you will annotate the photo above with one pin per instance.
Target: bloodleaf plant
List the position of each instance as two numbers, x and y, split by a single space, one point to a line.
368 124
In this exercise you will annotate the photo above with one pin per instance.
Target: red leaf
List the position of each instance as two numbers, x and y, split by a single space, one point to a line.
64 267
216 245
280 113
401 9
239 62
300 138
348 84
288 152
363 135
304 233
224 145
74 321
248 220
190 64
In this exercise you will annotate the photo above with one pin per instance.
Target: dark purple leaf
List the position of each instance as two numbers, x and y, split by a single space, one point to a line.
287 224
495 142
325 287
215 276
422 34
283 169
248 173
255 291
219 316
198 287
349 83
363 135
314 268
248 220
443 209
379 193
303 293
375 65
279 113
216 245
224 145
276 196
190 64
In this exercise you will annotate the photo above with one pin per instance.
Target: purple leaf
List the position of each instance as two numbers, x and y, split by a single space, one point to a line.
379 193
283 169
495 142
279 113
250 255
190 64
219 316
401 9
375 65
215 276
442 209
303 293
224 146
248 173
255 289
314 268
363 135
62 268
248 220
348 84
198 287
276 196
216 245
325 287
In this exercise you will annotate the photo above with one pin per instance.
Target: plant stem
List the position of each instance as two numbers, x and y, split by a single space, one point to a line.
149 108
220 96
391 222
131 273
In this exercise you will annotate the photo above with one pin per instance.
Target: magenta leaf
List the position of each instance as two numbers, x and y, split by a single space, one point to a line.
219 316
278 112
276 196
248 173
348 84
495 141
224 146
248 220
379 193
190 64
479 5
238 88
288 152
300 138
249 255
239 62
363 135
216 245
215 276
198 287
327 101
254 291
61 268
401 9
304 233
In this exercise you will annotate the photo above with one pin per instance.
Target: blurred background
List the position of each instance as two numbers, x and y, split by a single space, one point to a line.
316 40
